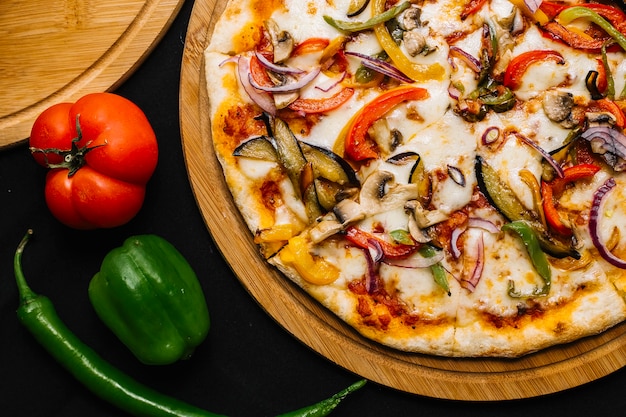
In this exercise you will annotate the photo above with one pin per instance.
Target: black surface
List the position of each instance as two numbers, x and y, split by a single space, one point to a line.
249 365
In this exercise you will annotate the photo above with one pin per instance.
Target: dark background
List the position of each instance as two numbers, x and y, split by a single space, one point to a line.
249 365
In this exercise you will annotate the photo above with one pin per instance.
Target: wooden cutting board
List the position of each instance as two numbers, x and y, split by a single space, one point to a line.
52 51
548 371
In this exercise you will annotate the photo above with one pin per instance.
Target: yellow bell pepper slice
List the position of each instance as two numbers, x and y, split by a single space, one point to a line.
312 269
415 71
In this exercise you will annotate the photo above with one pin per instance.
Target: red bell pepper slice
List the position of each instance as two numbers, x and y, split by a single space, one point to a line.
552 215
259 73
552 9
362 239
576 40
520 64
558 32
472 8
310 45
322 105
556 187
602 81
358 146
573 173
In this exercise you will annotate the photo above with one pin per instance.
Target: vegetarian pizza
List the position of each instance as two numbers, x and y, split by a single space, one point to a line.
447 177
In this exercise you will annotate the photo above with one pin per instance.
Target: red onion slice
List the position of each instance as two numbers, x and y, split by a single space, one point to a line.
371 274
491 135
262 99
281 69
454 92
466 57
483 224
477 272
381 66
376 250
594 225
287 88
331 83
454 242
549 159
609 143
533 5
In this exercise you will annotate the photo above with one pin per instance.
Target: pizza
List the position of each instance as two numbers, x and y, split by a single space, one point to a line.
448 177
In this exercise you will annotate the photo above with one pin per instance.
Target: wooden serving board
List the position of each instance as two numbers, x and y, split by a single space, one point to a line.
545 372
53 51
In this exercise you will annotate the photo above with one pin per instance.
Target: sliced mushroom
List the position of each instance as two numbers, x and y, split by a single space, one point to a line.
282 41
328 226
425 218
600 118
282 100
380 193
348 211
558 105
416 232
386 138
414 42
411 18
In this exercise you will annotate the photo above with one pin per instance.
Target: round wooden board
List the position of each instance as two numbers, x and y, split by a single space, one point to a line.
545 372
53 51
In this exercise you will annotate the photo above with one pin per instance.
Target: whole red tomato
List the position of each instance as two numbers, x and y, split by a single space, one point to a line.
102 151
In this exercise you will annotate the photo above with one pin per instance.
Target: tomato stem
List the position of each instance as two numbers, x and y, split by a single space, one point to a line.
74 158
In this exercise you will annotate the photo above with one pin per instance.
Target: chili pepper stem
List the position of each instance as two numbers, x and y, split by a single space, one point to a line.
26 294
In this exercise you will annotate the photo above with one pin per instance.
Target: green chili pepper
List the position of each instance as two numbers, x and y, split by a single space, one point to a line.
324 407
537 257
577 12
38 315
348 26
439 272
149 296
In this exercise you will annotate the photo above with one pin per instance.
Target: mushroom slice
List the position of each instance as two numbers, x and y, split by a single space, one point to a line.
282 41
414 42
386 138
380 193
425 218
558 105
416 232
411 18
328 226
348 211
600 119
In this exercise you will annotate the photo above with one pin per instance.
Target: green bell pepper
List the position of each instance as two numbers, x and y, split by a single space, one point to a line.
149 296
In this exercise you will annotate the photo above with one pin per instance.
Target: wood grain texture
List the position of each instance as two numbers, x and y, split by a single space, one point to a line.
53 51
545 372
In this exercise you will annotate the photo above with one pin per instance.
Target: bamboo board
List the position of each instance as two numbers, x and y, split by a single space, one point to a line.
53 51
545 372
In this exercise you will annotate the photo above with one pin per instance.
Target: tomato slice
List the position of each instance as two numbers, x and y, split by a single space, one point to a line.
358 146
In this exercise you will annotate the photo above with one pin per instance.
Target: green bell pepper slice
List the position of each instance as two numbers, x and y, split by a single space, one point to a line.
149 296
537 258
